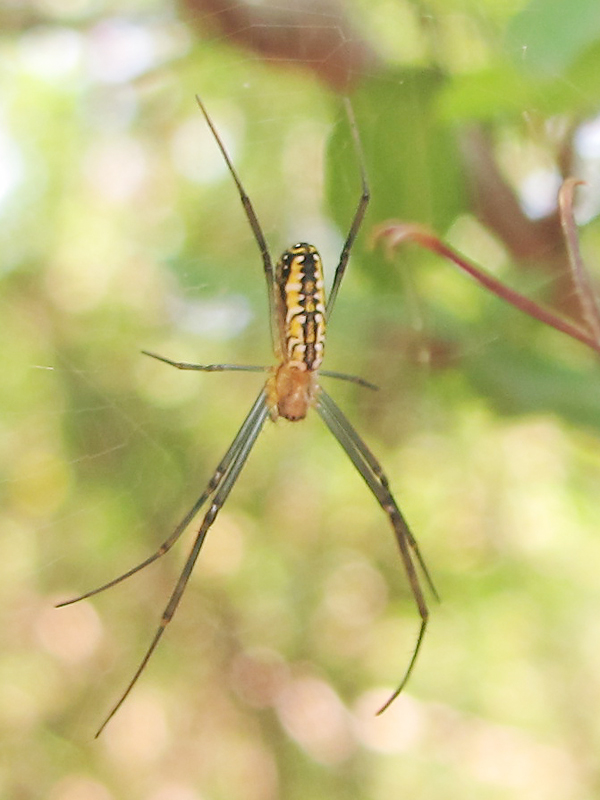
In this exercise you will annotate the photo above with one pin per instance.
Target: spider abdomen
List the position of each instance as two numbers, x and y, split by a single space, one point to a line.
301 306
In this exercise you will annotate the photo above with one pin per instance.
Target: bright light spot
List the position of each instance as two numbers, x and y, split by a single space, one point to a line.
120 51
400 728
11 165
539 192
72 635
587 139
195 153
587 146
314 716
215 319
51 53
117 168
138 734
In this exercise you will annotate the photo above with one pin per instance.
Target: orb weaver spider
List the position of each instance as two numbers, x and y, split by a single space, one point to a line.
299 313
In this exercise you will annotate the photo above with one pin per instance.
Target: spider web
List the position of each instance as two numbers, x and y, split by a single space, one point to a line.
123 232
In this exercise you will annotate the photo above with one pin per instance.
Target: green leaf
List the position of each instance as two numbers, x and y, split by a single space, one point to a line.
412 161
488 94
548 35
519 381
583 77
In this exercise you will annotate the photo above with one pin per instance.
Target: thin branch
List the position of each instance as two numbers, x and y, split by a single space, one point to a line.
395 232
581 278
317 36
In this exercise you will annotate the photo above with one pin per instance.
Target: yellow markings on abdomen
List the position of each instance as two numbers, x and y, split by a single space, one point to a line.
301 303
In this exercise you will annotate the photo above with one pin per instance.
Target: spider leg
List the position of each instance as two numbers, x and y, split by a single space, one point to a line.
207 367
340 376
377 469
373 475
358 214
343 376
245 433
254 224
258 415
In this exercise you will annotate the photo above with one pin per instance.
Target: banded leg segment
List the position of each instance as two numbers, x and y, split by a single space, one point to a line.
244 433
378 472
207 367
256 230
185 365
358 214
372 473
225 483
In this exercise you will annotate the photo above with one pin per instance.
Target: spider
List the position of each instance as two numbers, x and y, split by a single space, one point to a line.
299 313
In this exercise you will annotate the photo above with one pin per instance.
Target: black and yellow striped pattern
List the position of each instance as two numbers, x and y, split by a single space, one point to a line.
301 306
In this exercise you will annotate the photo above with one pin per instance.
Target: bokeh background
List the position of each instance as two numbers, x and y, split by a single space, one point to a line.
121 230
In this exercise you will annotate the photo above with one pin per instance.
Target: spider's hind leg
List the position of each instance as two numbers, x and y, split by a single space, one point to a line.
371 471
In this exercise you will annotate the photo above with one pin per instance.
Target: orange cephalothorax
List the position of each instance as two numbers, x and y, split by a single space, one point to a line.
291 391
301 306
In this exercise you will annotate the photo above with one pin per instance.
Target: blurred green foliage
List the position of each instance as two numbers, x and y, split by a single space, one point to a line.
122 230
